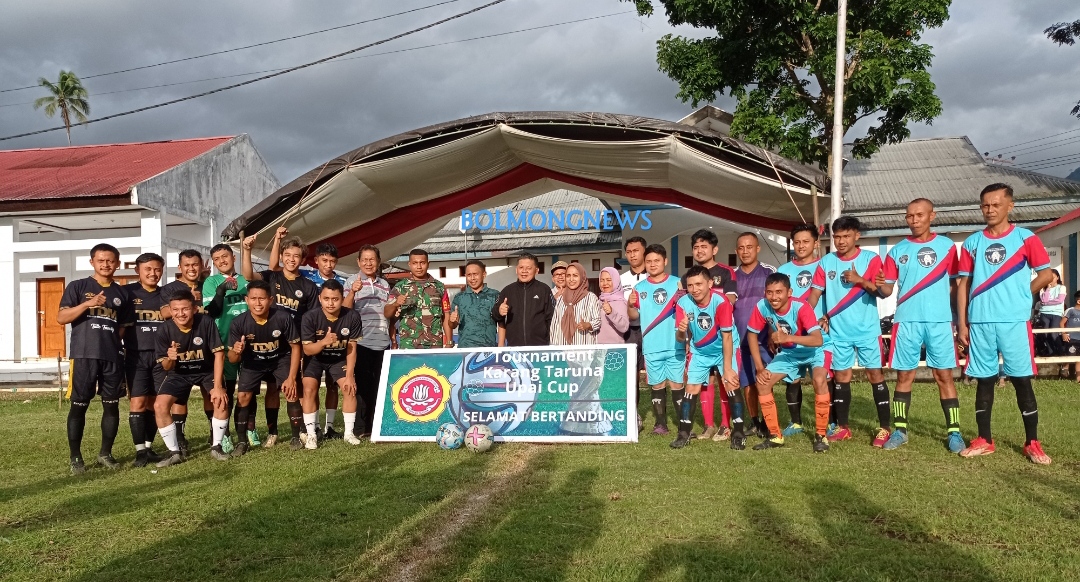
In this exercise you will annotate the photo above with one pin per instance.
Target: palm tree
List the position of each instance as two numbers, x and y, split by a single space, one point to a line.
69 96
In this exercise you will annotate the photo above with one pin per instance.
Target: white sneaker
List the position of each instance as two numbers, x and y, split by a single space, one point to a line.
351 438
270 441
310 441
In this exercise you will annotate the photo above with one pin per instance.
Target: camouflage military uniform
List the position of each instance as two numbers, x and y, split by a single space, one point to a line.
423 306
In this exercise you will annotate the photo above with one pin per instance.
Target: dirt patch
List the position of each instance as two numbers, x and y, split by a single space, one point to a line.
413 559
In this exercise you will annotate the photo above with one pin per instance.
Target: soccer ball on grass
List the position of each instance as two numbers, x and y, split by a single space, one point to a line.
478 438
449 436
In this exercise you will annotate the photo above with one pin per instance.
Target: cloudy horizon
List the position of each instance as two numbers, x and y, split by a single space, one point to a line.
1001 81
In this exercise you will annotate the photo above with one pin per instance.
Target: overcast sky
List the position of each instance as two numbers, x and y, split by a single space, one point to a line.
1002 82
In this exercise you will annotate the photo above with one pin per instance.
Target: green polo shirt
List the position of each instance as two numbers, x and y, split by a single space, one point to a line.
476 329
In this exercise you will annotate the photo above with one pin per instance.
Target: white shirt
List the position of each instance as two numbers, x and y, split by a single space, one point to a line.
628 280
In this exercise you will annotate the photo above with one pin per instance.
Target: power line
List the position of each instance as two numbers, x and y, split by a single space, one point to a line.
487 36
1037 162
240 48
1044 146
1032 141
264 77
1054 163
1068 163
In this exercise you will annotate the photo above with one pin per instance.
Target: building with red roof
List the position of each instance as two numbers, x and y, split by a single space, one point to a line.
57 203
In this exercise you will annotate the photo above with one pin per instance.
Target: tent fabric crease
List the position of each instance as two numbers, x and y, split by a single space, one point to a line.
399 191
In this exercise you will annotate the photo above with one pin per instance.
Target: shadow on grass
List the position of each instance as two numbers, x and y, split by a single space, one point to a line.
100 503
856 540
534 533
306 531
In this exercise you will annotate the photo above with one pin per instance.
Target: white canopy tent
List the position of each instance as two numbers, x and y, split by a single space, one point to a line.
398 192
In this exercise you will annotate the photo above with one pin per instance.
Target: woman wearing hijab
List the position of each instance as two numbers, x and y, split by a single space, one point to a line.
577 311
614 321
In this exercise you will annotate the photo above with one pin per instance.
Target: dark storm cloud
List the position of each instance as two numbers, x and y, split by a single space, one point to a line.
1001 80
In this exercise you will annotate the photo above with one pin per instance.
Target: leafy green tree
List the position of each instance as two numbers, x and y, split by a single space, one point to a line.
67 96
1065 33
778 59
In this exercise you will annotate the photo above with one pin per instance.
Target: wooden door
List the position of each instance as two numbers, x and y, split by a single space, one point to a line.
51 340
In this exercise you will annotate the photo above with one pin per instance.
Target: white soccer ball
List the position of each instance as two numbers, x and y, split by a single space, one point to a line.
500 397
478 438
449 436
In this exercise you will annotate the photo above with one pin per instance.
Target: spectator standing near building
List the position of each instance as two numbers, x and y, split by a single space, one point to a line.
614 321
577 316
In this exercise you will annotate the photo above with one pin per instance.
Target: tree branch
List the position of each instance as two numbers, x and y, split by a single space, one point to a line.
806 97
851 67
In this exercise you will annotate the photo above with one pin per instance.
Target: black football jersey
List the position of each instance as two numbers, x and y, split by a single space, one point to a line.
297 296
146 306
196 348
266 342
96 333
347 326
167 292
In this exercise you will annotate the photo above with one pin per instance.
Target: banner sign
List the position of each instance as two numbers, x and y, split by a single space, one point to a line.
533 394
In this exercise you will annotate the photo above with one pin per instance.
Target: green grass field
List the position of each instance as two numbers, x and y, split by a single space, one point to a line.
521 512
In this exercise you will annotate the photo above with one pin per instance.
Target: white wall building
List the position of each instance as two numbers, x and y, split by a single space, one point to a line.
57 203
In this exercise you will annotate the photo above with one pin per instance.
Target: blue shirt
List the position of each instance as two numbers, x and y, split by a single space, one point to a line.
316 277
1000 270
655 302
852 312
922 271
707 324
802 277
799 319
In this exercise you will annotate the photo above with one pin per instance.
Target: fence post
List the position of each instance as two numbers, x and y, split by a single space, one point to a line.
60 384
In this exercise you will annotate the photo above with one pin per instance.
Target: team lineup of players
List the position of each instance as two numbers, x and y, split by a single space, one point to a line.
735 333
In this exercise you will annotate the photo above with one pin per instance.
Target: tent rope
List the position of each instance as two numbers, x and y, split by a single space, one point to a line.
768 156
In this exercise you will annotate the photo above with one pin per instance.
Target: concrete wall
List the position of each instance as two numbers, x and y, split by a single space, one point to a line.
210 191
214 188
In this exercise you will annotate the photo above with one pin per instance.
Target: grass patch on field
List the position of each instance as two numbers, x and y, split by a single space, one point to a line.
612 512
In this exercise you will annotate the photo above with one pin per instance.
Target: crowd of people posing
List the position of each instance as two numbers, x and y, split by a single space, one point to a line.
718 333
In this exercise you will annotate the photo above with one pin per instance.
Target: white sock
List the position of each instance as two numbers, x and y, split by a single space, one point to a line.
140 447
350 421
168 434
148 444
330 414
219 426
311 420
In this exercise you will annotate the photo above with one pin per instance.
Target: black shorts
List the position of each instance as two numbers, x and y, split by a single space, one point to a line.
633 336
313 368
251 377
179 385
88 377
143 374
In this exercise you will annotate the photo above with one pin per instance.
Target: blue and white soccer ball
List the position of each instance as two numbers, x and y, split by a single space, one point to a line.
450 436
500 392
478 438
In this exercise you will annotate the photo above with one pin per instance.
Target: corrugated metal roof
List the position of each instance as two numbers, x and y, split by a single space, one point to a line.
948 171
1024 214
97 170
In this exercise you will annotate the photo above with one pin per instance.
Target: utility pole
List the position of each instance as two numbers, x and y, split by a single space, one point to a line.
837 169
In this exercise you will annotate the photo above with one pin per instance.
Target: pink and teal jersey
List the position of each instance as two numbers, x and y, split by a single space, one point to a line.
707 324
802 278
655 302
1000 270
799 319
922 271
852 312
